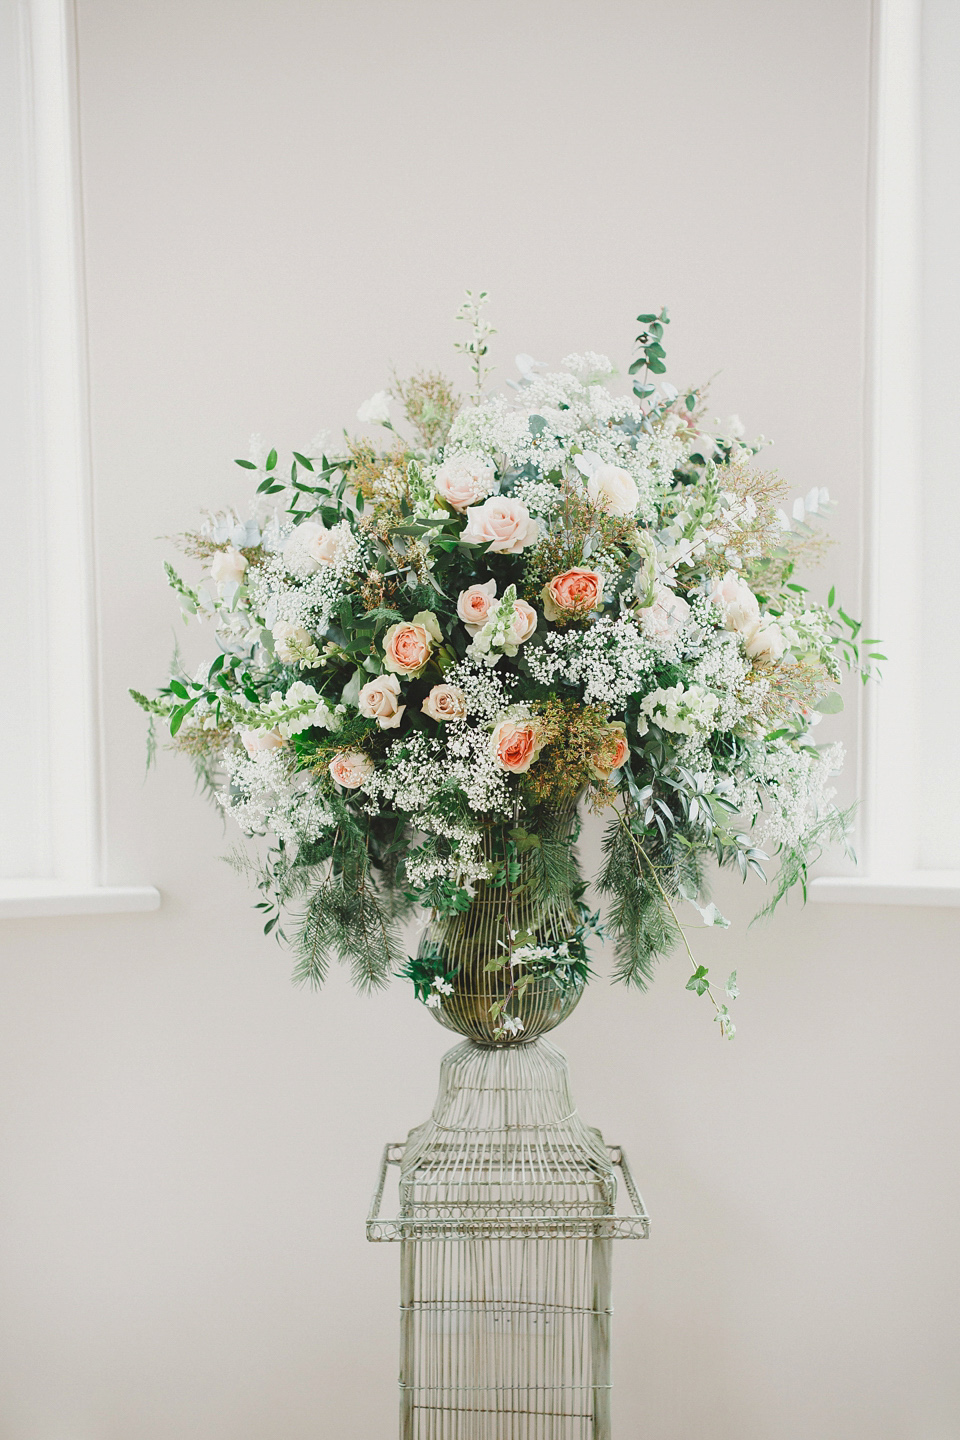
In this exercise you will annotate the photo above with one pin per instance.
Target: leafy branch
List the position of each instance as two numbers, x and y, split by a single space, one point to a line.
476 347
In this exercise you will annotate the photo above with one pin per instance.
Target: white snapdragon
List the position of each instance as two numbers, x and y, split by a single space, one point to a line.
679 709
511 623
294 646
301 707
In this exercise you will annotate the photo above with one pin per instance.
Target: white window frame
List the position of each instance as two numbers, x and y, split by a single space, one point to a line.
888 777
74 884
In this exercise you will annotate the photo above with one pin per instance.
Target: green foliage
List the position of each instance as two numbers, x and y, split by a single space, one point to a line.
652 351
422 971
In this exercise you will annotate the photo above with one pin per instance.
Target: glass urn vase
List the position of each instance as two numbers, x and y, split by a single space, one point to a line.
507 956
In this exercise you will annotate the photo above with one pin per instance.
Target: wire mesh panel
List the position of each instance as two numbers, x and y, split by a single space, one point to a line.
503 1339
506 1220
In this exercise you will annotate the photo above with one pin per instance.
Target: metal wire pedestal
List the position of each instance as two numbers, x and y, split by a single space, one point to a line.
506 1218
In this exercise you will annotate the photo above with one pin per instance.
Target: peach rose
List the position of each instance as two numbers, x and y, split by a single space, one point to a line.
256 742
351 768
228 566
504 525
613 489
464 480
475 604
614 751
408 645
578 591
515 744
378 701
445 702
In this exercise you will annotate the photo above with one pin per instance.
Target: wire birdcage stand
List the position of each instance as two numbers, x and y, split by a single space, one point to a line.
506 1218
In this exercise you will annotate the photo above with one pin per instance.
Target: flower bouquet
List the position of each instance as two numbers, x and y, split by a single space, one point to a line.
434 650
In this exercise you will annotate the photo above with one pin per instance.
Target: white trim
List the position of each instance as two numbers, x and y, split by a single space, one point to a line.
889 839
918 887
63 449
63 486
32 899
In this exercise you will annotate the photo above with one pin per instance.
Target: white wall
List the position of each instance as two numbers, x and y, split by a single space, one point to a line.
280 199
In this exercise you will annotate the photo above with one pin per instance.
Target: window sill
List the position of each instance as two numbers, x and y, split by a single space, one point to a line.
30 899
917 887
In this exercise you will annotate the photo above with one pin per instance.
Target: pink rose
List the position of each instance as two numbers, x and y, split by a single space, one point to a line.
505 526
515 744
464 480
613 752
576 591
523 624
445 702
351 768
475 604
255 742
378 701
408 645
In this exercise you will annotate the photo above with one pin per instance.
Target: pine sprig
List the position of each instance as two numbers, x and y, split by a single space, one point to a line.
643 926
347 919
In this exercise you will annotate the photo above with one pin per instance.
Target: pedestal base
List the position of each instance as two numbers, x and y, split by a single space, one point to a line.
506 1220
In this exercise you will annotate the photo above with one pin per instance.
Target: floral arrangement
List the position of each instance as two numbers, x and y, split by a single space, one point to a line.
571 592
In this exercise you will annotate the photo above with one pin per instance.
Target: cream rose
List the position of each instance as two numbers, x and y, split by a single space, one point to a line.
256 742
741 611
614 751
504 525
476 603
322 545
614 490
228 566
464 480
666 617
378 701
310 546
408 645
765 641
576 591
290 641
350 769
515 744
445 702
